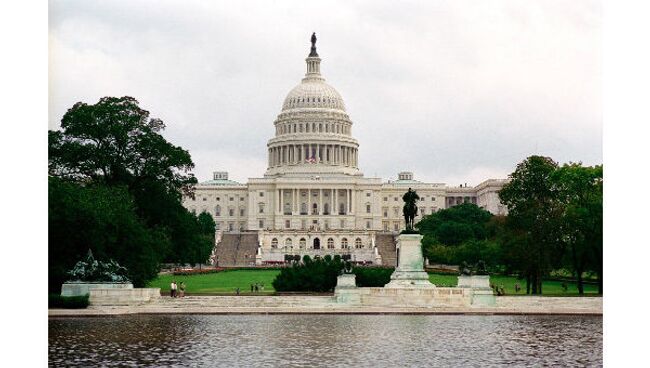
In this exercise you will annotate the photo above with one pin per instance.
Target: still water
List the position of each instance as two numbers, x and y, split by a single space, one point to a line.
326 341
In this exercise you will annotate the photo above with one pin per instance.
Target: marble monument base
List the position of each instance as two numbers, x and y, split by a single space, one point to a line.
410 265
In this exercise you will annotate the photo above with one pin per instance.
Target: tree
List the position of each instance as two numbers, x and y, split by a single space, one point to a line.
534 214
102 219
455 225
115 142
580 189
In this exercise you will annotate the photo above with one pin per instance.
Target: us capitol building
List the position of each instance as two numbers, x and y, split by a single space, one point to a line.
313 199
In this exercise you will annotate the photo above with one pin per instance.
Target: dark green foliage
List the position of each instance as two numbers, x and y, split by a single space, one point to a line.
116 142
101 219
130 181
535 215
67 302
455 225
373 276
580 189
318 275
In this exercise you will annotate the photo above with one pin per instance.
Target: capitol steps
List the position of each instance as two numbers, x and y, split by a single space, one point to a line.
385 244
246 250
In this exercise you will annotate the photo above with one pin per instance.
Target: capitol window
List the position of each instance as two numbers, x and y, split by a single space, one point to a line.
344 243
261 195
261 224
217 211
287 243
218 198
367 208
274 243
204 199
385 199
330 243
287 224
261 207
368 194
231 212
357 243
303 243
241 212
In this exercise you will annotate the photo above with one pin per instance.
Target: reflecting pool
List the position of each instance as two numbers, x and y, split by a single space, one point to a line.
326 341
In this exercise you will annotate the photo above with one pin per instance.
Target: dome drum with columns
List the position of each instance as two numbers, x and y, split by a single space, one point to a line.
313 199
313 131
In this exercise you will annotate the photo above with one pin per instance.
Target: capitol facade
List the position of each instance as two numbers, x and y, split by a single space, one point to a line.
313 198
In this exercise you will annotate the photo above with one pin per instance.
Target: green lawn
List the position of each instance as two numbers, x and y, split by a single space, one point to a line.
221 282
228 281
508 283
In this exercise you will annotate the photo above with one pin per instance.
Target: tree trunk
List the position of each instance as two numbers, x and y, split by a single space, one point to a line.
581 289
539 282
527 283
534 291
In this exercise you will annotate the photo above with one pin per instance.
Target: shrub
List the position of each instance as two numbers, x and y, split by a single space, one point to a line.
373 276
318 275
197 271
67 302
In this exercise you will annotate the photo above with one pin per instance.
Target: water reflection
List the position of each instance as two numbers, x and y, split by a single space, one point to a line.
326 341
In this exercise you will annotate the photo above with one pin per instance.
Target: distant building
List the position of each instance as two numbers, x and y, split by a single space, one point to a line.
313 199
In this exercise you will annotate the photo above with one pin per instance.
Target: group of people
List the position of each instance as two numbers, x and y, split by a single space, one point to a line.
257 287
177 291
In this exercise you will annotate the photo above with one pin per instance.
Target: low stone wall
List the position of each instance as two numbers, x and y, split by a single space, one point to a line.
405 297
112 296
83 288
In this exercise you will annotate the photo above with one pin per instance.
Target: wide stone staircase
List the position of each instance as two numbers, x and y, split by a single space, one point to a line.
385 243
237 249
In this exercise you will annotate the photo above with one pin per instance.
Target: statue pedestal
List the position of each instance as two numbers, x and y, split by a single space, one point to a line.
410 264
482 294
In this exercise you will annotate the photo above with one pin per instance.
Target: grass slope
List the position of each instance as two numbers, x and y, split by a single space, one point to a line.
227 281
221 282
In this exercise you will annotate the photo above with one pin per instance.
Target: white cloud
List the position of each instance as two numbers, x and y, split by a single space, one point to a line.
456 89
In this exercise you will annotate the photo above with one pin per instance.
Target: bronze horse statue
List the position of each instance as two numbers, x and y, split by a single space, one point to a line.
410 209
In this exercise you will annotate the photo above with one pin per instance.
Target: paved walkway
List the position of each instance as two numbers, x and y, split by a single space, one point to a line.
533 305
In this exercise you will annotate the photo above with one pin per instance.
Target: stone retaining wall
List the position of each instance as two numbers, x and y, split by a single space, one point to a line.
83 288
136 296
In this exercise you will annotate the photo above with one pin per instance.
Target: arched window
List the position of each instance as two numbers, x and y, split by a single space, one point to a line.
274 243
217 211
303 208
287 243
326 209
342 209
303 243
330 243
357 243
314 209
344 243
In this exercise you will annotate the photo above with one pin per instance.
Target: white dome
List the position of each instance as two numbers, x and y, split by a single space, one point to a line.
313 93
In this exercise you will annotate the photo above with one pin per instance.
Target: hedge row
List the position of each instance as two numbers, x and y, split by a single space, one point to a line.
67 302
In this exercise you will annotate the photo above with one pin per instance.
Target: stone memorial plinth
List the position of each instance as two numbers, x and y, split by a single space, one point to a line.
346 291
410 264
482 294
74 288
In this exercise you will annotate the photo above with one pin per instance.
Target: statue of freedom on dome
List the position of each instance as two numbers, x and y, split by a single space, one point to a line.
410 208
313 52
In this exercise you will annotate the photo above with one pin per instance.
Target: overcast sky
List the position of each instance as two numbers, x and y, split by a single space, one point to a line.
455 91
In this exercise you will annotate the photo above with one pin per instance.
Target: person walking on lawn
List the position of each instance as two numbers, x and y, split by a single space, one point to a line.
172 289
182 289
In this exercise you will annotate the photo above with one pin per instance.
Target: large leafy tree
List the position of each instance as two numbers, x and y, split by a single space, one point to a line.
580 189
455 225
103 219
534 214
116 142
